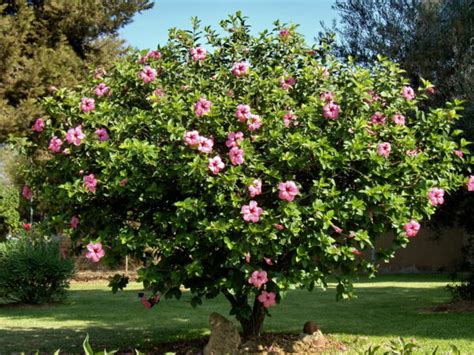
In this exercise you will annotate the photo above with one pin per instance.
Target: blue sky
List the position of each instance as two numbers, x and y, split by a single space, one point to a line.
151 27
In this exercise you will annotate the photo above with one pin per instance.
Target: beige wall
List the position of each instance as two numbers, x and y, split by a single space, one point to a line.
427 253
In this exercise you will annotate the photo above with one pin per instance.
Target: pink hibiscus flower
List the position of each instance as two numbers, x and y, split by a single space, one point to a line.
90 183
408 93
192 138
202 107
458 153
205 145
74 222
198 53
267 298
240 69
102 134
75 135
289 118
55 144
258 278
411 228
470 183
95 252
38 126
243 112
398 119
236 156
216 165
331 111
254 122
255 188
287 83
436 196
377 118
284 33
384 149
234 139
101 89
87 104
287 190
251 212
148 74
327 96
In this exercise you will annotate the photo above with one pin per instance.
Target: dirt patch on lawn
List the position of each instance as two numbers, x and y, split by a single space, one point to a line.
90 276
270 343
452 307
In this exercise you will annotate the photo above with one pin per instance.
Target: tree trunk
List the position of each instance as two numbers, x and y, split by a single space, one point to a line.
253 326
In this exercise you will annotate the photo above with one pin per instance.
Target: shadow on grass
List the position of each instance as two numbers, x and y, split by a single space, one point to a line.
120 321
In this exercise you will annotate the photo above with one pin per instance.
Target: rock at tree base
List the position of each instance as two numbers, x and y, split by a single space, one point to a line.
310 327
224 339
308 342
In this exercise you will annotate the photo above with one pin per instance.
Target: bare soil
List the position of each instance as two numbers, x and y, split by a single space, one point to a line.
452 307
100 275
270 343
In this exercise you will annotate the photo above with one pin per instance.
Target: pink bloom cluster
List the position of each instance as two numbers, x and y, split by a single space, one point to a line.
75 135
95 252
287 190
202 107
436 196
159 92
198 53
412 152
408 93
398 119
289 118
258 278
55 144
384 149
458 153
374 97
148 74
470 183
101 89
411 228
216 165
331 110
38 126
377 118
151 54
244 114
254 122
87 104
102 134
267 298
74 222
255 188
251 212
240 69
287 83
195 140
234 139
90 183
236 156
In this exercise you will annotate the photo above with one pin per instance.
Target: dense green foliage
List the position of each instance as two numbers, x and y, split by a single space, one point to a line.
9 204
33 271
128 170
51 43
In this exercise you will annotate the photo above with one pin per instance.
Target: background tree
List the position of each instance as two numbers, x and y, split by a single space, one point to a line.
52 43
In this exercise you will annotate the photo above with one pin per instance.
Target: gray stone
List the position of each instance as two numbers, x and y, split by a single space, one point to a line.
224 339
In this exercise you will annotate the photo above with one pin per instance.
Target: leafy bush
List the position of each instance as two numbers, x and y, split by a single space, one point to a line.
33 271
258 167
9 215
463 290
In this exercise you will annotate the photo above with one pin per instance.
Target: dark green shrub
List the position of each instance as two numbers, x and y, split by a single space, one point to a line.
33 271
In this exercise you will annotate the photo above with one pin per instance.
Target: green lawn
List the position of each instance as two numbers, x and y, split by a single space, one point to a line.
386 308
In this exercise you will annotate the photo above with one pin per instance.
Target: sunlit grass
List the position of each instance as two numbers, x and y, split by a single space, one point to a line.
386 308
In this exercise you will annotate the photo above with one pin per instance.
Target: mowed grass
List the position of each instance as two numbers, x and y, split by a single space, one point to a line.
386 308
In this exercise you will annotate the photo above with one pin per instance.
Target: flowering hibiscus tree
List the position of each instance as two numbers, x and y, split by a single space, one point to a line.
245 166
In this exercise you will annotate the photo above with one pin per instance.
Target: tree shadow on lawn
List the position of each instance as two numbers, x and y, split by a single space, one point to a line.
120 321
